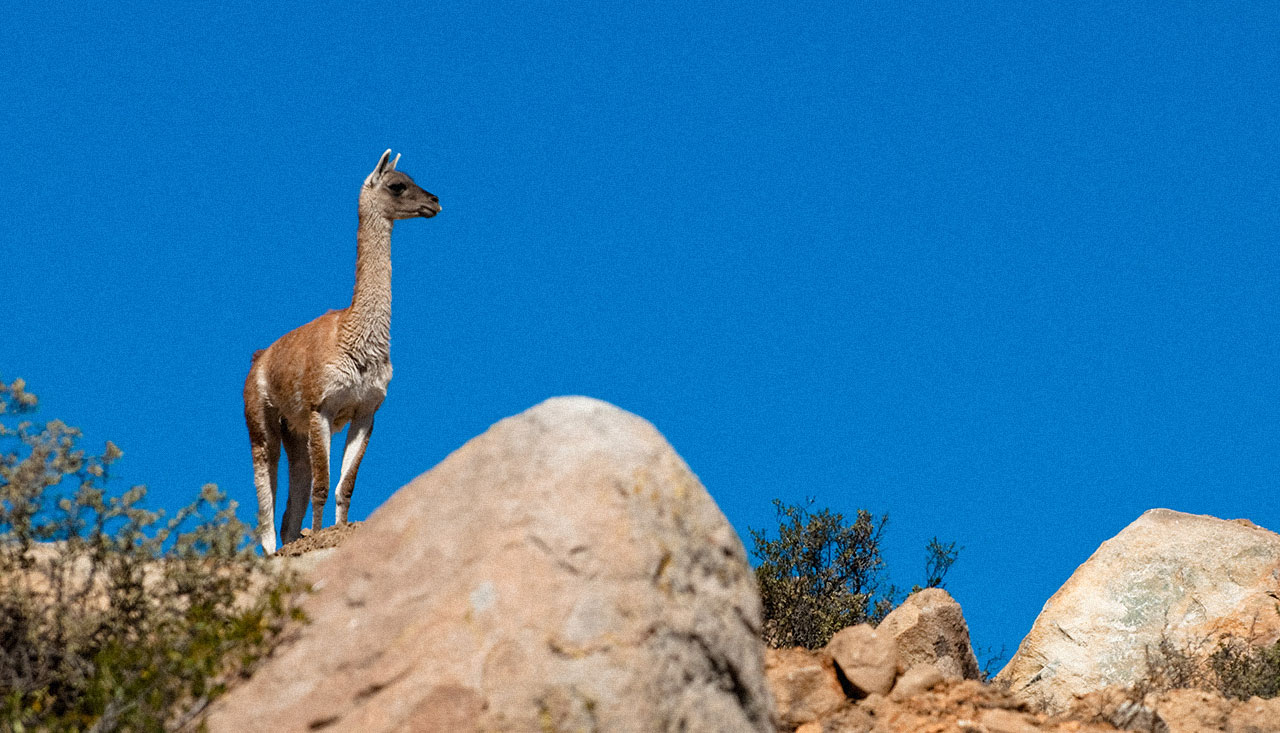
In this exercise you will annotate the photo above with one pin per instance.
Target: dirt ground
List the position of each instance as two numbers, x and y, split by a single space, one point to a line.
312 541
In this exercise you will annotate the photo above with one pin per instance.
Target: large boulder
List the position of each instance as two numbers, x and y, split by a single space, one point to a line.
1182 578
929 628
563 571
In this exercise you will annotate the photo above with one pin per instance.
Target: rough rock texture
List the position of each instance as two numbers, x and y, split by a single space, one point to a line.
949 707
1196 711
920 678
563 571
1177 711
804 685
1185 577
867 659
929 628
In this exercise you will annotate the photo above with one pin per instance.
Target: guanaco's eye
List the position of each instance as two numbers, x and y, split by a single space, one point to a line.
397 188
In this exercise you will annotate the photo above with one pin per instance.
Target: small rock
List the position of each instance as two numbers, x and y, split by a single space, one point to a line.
867 659
1006 721
804 684
920 678
1254 716
1193 711
848 719
929 627
1130 715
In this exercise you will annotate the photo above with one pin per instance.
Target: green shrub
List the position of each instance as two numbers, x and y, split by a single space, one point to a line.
113 617
1243 671
821 575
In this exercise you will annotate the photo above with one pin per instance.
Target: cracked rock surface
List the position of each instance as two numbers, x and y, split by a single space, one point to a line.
563 571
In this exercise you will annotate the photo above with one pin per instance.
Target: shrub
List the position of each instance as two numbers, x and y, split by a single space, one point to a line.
113 616
1234 669
821 574
1243 670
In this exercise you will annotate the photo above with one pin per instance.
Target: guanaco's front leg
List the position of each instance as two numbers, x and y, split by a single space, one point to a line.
357 440
318 445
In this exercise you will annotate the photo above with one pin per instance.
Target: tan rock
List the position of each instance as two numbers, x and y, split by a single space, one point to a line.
1195 711
1255 716
852 719
929 628
1007 721
1192 711
563 571
868 659
1183 577
920 678
804 684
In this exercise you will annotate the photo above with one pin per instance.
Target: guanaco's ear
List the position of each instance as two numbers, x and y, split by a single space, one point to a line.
393 163
380 169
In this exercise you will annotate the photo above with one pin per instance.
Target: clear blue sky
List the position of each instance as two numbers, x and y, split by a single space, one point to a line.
1004 271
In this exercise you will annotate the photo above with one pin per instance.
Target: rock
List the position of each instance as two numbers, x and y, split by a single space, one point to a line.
929 628
920 678
1254 716
804 685
849 719
562 571
1196 711
304 565
1185 578
1007 721
868 660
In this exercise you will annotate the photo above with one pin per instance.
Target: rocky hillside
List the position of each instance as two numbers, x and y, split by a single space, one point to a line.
565 571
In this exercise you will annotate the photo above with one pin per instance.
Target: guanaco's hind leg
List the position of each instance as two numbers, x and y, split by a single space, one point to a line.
295 449
264 442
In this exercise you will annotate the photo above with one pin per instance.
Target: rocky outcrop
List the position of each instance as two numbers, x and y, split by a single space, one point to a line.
929 628
866 676
965 706
1184 578
563 571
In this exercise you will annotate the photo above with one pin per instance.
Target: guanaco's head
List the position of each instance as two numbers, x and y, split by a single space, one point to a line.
389 193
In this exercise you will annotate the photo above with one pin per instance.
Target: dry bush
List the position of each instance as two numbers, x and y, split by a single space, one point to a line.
822 574
113 617
1231 667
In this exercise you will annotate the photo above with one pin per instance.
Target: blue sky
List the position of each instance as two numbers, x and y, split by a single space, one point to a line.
1006 272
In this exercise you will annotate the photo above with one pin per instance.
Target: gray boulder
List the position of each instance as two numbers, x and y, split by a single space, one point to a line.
563 571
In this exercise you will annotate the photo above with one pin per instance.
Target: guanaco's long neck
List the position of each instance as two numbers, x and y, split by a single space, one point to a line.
366 329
